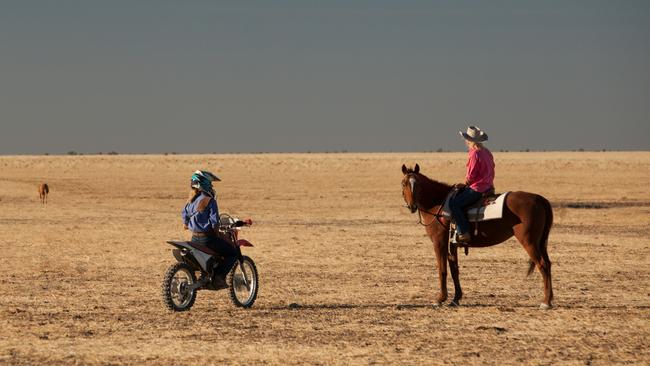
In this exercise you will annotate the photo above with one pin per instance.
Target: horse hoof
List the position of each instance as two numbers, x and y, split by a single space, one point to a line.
453 304
545 306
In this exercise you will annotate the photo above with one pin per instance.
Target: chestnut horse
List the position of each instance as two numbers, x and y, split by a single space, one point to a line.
43 190
527 216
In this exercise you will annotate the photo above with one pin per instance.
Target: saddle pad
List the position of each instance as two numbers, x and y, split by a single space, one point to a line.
493 210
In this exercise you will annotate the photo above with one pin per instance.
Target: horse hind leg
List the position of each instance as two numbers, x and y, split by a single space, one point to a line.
543 263
542 244
545 269
539 258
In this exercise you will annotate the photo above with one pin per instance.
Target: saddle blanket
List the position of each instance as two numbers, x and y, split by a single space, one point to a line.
493 210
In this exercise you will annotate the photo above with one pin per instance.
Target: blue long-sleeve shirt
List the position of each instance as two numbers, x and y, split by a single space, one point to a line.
201 221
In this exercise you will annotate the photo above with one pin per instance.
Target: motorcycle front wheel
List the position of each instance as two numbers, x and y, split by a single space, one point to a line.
176 285
243 283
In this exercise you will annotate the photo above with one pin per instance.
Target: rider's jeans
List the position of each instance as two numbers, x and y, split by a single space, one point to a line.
464 198
222 247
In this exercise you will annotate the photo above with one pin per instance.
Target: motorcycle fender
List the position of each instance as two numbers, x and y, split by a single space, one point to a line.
244 243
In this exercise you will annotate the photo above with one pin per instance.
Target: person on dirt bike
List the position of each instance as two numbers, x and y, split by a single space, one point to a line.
201 216
479 179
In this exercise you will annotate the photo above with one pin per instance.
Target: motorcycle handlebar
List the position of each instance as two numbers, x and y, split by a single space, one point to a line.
240 223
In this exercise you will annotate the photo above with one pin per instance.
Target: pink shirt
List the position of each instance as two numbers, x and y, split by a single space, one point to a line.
480 170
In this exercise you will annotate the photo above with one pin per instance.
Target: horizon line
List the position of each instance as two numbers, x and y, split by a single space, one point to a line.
439 151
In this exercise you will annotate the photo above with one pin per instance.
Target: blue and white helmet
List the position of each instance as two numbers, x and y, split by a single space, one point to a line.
202 180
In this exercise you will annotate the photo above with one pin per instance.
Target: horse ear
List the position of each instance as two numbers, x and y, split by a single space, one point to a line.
404 169
417 168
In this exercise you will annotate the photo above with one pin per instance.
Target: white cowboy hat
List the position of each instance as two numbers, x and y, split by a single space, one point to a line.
474 134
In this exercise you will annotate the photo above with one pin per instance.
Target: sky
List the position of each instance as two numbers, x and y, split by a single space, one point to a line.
295 76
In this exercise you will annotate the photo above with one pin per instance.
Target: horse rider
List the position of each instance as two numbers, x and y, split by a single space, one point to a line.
201 216
478 180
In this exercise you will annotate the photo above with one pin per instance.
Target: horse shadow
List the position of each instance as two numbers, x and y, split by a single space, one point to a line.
411 306
343 306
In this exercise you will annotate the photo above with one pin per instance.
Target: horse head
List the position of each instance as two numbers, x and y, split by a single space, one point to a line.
421 192
408 186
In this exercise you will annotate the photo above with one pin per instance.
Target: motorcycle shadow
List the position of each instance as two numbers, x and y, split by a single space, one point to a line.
296 306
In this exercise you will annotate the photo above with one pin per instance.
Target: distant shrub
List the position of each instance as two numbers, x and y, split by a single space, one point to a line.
439 150
112 153
71 152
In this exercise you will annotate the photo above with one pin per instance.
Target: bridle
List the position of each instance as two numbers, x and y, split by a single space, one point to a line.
437 215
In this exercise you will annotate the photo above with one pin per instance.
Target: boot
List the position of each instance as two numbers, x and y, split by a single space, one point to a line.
219 283
463 238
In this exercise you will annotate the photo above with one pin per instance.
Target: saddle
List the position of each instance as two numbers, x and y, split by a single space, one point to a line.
488 207
489 197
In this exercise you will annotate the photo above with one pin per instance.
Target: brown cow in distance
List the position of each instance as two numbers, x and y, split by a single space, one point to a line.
43 190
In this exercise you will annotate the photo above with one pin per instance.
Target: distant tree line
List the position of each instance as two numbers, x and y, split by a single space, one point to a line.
439 150
72 152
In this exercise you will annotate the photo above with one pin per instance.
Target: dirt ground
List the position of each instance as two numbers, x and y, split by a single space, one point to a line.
80 276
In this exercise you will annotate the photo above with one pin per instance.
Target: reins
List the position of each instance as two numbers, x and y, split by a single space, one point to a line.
436 216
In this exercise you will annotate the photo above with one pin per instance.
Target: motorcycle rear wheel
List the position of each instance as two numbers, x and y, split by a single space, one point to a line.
243 293
176 295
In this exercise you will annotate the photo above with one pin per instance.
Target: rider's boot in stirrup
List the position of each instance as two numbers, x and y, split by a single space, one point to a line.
463 238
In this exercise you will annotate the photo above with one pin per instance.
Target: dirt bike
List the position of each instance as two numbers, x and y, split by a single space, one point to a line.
180 284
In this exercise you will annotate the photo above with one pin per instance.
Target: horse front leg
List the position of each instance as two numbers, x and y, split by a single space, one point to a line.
441 258
453 266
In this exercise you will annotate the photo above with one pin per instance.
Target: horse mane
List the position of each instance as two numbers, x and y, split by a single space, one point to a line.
431 192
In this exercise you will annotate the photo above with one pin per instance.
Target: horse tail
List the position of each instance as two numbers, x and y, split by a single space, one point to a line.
547 227
543 240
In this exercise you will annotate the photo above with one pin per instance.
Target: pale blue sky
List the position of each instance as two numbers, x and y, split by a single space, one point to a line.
243 76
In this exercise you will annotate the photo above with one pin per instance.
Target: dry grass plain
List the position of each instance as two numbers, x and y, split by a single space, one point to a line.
80 276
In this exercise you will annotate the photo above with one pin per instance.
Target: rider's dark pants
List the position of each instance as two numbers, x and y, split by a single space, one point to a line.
459 203
227 250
